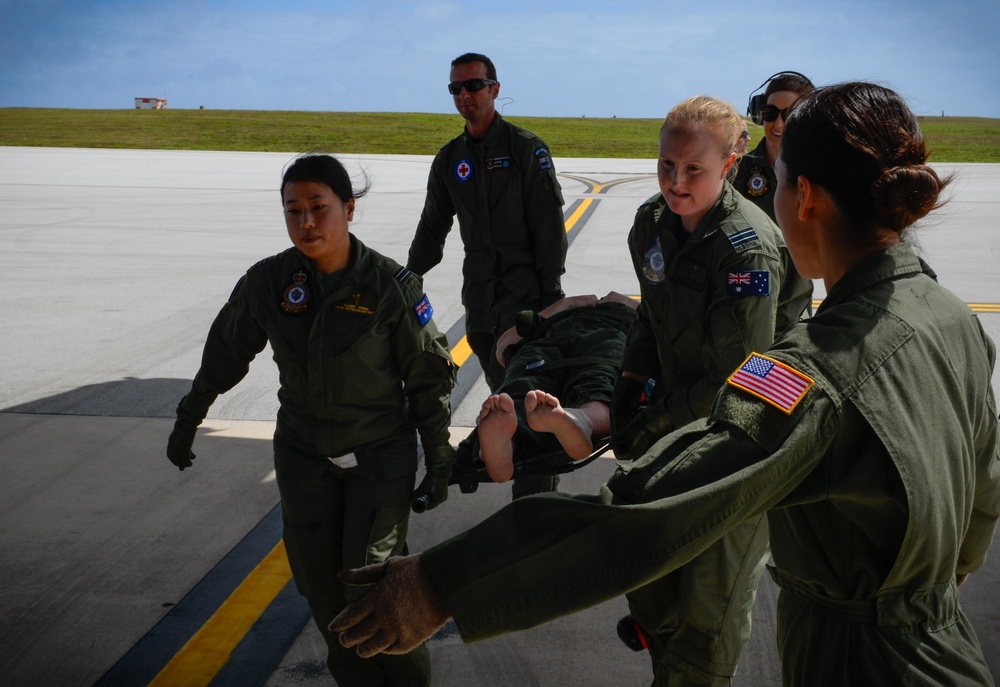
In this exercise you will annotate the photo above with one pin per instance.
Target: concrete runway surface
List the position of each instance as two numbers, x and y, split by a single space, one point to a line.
117 569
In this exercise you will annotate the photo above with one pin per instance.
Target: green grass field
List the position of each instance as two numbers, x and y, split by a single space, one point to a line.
951 139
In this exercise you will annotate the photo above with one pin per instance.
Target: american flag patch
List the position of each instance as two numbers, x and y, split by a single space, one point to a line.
772 381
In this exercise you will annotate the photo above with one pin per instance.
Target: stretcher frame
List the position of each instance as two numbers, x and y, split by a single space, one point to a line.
469 470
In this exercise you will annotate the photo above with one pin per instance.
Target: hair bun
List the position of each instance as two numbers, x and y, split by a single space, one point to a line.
904 194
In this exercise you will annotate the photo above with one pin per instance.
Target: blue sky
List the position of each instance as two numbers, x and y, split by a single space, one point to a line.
624 58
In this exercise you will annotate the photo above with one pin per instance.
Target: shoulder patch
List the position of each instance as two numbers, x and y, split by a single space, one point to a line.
743 237
769 380
424 310
543 157
402 274
748 283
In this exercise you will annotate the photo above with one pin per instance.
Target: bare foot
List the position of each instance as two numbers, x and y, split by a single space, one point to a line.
572 427
497 424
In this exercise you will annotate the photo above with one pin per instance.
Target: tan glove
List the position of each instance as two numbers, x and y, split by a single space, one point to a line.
400 612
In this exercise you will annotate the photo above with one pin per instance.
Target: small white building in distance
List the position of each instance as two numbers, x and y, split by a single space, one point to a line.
150 103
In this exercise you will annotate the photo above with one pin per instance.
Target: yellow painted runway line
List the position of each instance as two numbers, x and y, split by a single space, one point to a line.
975 307
461 352
985 307
209 649
575 217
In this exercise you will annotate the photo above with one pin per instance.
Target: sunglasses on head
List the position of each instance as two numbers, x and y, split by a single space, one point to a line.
771 113
470 86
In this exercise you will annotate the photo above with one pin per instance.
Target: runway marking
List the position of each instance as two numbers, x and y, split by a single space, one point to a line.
975 307
461 352
985 307
263 645
209 649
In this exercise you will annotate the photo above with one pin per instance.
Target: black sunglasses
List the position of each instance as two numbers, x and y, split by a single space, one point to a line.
471 86
771 113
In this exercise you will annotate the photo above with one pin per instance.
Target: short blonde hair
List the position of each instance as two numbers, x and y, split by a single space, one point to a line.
722 120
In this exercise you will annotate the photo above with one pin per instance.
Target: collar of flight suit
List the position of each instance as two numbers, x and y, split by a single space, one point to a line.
491 134
892 263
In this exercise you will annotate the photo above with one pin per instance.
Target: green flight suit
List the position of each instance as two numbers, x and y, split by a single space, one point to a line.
360 367
708 299
504 190
880 484
755 178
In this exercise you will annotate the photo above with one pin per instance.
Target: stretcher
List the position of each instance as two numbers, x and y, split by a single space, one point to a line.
469 471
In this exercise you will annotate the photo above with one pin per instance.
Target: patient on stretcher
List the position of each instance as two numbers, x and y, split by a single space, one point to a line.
560 370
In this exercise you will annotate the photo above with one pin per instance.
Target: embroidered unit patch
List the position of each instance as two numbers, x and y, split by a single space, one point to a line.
653 266
772 381
463 170
544 160
424 310
295 297
757 184
750 283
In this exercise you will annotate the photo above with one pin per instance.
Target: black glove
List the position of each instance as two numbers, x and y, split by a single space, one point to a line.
180 442
645 429
433 488
625 400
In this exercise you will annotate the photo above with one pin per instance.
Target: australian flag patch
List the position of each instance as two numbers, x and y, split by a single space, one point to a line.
424 310
749 283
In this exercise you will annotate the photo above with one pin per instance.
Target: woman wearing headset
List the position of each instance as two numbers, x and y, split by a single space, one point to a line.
755 177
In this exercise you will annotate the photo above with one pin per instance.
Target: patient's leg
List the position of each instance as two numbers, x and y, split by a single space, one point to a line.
572 427
497 424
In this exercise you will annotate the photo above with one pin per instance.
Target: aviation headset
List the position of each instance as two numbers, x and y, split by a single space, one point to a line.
755 108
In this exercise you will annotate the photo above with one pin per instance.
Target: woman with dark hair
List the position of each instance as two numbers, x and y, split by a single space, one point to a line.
867 433
755 171
362 366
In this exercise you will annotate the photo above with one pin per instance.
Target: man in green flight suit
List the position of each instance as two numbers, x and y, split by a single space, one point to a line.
501 183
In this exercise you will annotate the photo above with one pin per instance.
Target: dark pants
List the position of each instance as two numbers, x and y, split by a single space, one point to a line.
335 519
